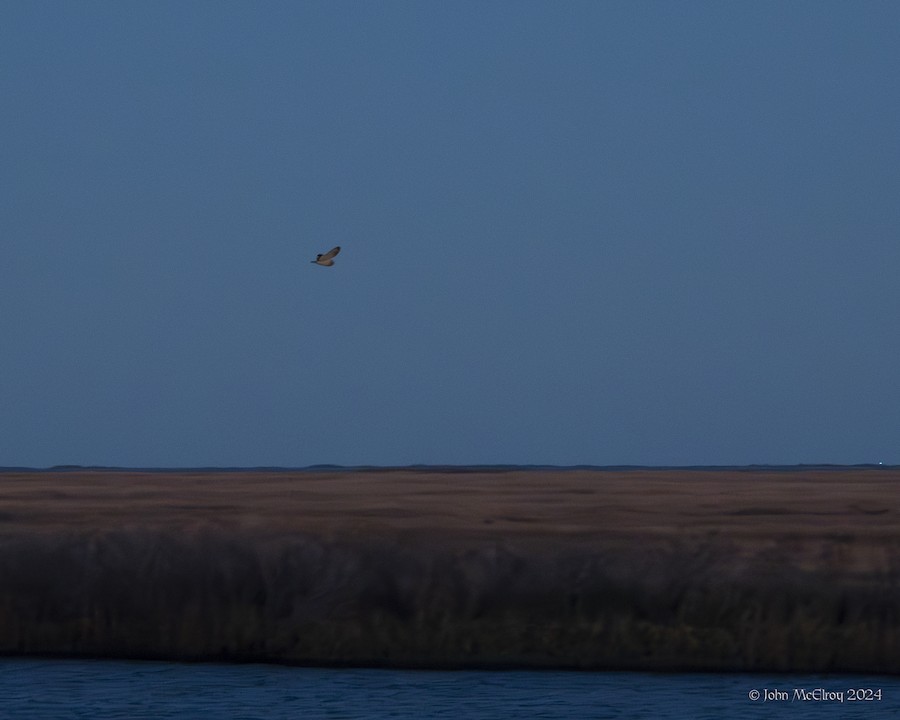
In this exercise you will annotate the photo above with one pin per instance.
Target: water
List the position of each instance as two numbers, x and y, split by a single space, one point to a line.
103 690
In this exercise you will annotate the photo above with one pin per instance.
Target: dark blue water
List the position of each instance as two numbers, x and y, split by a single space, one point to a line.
39 689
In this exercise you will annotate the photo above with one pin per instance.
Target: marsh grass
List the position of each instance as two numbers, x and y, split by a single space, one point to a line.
415 599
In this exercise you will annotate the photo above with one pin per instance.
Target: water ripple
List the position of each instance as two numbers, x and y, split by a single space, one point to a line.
121 690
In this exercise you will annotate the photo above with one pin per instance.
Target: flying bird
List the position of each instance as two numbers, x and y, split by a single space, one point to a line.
325 259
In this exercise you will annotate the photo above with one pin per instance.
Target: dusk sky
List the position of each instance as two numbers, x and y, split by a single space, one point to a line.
658 233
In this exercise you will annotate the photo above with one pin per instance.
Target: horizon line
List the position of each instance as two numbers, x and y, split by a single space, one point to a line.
445 467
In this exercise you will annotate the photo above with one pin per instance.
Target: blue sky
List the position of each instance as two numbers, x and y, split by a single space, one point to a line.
573 232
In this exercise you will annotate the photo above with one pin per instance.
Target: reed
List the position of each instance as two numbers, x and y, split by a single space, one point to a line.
425 599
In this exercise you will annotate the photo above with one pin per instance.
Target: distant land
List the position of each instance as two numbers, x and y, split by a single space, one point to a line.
424 467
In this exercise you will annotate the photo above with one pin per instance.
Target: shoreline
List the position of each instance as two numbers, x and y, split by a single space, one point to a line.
719 570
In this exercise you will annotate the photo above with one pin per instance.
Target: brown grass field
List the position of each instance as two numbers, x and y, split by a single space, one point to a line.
708 569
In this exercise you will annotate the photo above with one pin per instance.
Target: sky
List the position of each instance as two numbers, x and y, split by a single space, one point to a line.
603 233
